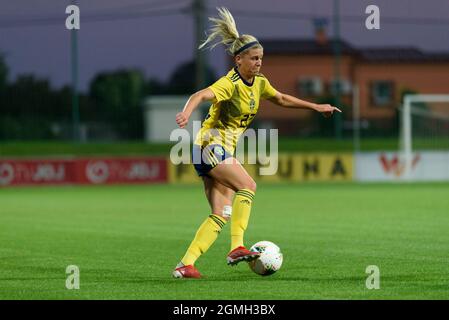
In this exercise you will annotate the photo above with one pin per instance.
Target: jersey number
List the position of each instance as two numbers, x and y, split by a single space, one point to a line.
246 118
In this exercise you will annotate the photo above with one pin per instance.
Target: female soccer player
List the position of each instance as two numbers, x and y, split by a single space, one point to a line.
235 101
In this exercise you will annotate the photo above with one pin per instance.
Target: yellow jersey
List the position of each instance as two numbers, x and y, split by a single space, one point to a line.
235 104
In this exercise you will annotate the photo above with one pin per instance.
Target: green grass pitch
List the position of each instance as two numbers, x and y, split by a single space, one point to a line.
127 239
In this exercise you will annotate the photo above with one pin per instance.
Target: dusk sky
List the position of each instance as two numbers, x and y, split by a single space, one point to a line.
34 39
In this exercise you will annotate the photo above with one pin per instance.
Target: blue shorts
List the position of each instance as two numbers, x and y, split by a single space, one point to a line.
206 158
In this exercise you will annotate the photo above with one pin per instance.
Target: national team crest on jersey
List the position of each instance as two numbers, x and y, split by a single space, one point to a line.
252 102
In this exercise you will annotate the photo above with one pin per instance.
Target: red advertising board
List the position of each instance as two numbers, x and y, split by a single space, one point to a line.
35 172
121 170
82 171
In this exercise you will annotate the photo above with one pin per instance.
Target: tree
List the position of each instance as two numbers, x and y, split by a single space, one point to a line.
28 108
155 87
182 81
118 96
3 73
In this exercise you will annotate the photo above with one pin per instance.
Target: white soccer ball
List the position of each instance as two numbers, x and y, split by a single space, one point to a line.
270 259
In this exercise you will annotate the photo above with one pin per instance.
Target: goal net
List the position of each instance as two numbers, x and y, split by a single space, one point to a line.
424 138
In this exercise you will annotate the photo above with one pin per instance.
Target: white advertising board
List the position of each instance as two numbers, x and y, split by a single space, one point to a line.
389 166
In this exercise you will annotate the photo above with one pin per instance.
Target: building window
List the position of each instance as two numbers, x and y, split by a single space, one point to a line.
310 86
382 93
343 86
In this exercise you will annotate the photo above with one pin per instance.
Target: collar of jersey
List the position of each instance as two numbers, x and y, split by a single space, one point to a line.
244 81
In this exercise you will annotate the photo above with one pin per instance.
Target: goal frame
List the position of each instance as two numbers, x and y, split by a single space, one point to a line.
407 148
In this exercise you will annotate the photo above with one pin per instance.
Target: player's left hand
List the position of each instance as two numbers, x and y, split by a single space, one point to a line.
327 110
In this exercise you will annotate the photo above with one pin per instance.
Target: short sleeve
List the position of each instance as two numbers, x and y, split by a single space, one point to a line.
223 89
267 90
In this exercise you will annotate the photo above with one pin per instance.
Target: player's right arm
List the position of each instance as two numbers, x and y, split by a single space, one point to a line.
221 90
182 118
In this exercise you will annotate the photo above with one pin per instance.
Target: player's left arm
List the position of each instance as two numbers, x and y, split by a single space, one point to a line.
288 101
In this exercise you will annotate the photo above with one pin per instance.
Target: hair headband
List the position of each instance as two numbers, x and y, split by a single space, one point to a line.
246 46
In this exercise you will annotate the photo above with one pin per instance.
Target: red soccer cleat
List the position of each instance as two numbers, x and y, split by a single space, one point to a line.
186 272
241 254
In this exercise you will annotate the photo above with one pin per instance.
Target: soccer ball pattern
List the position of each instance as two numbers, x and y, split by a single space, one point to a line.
270 259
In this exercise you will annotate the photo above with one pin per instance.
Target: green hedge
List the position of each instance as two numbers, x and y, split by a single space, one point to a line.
39 148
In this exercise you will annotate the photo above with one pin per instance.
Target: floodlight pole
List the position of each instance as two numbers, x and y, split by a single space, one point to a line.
337 58
200 55
74 67
356 117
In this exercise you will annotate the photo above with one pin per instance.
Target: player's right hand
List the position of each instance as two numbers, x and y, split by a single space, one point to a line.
182 119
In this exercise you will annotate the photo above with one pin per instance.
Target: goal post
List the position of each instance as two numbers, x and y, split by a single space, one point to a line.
407 130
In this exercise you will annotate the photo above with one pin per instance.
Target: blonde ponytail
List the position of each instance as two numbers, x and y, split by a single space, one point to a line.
225 28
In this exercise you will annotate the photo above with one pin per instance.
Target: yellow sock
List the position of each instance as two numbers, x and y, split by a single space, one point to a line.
241 209
206 235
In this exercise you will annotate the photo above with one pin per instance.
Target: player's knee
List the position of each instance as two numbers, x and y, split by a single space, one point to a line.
248 184
251 185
